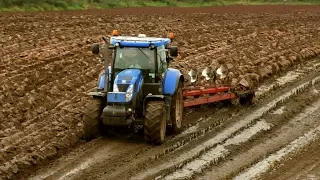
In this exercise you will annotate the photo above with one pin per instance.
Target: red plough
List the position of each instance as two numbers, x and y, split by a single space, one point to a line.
214 94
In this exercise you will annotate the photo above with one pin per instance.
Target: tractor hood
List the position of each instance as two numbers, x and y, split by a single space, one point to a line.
126 85
126 78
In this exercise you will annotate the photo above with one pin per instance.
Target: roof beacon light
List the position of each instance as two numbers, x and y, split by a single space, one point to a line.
171 35
142 35
115 33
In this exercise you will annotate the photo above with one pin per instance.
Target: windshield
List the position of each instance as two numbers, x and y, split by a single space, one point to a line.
139 58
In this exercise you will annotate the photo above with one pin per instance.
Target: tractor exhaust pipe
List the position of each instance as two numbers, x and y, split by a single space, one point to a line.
106 65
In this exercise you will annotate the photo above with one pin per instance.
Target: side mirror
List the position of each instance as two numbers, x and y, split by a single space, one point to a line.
174 51
95 48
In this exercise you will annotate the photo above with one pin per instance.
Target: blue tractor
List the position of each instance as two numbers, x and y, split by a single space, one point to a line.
139 89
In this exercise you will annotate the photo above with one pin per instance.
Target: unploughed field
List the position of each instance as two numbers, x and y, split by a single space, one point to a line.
47 68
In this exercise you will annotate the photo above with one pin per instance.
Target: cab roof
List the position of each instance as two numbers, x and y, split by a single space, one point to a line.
138 41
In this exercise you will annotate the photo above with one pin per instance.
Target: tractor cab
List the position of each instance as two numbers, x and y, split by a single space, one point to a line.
136 60
146 60
138 65
147 54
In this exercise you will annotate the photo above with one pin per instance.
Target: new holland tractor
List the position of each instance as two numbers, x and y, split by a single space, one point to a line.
140 90
136 87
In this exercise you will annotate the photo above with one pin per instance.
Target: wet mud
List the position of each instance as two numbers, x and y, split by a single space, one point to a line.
46 69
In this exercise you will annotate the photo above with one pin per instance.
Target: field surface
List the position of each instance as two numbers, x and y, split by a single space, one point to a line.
47 68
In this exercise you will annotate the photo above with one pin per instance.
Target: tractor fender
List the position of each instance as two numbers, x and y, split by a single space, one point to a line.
101 78
171 81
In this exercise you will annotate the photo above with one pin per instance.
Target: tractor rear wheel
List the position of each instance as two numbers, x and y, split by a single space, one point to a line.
177 110
91 119
155 122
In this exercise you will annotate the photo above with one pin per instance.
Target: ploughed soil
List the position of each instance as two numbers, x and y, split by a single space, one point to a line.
47 68
306 165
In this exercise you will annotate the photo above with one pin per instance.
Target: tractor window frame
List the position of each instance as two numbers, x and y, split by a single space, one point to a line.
161 51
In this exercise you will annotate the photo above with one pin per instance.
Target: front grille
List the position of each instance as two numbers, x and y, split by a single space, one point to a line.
123 87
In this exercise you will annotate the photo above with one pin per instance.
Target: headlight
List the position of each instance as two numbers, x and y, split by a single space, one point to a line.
115 88
129 93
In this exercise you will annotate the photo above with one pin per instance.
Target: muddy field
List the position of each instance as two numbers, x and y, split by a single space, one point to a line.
47 68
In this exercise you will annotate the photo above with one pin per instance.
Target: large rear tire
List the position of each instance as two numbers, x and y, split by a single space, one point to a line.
91 119
155 122
177 110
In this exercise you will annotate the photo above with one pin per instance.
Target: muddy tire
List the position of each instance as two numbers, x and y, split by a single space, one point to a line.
247 100
177 110
155 122
91 119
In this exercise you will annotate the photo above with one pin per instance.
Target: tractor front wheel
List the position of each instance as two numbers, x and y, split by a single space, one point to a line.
91 119
155 122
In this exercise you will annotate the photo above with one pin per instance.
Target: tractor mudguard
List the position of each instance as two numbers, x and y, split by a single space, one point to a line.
101 78
171 81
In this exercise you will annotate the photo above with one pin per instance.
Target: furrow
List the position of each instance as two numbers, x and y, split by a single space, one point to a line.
244 137
287 124
227 133
217 153
288 151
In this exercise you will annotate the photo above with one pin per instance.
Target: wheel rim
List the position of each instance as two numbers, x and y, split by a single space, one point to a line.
179 108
